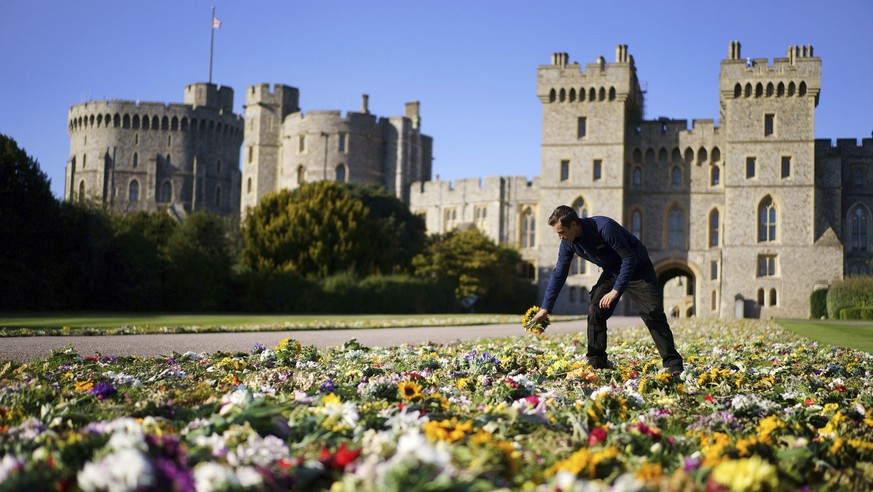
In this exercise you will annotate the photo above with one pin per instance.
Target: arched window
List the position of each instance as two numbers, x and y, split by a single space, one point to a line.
82 190
612 93
637 156
167 191
760 297
301 175
772 297
637 177
748 90
701 155
562 96
689 155
572 94
581 94
135 160
218 196
791 88
135 124
676 176
675 228
133 191
601 94
738 90
715 156
125 122
858 236
528 228
341 173
801 91
759 90
165 123
174 123
145 122
780 89
592 94
770 89
766 220
662 156
580 207
713 228
714 176
552 95
249 185
637 224
677 155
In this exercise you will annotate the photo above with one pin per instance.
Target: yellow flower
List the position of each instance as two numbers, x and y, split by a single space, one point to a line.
650 471
462 383
330 398
409 390
289 344
83 385
768 426
447 430
750 474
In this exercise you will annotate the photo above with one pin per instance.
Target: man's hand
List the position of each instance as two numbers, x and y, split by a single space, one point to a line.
542 313
609 299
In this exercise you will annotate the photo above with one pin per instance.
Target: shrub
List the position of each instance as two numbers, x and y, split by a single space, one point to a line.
849 293
388 294
857 313
818 303
286 292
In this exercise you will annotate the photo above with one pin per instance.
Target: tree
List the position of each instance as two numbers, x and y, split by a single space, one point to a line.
476 266
405 232
28 221
199 264
316 230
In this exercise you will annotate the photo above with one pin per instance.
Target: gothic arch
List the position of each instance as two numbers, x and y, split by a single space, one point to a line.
701 155
562 96
767 219
662 156
791 88
572 94
602 94
715 155
859 227
780 89
552 95
759 89
592 94
612 93
581 94
637 156
748 91
738 91
581 207
675 226
677 155
770 89
801 91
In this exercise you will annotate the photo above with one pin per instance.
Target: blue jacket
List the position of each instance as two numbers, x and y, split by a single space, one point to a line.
606 244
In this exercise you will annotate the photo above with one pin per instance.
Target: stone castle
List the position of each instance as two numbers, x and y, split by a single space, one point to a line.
743 218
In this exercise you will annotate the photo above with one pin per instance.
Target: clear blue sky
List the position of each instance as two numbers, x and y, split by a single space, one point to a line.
472 64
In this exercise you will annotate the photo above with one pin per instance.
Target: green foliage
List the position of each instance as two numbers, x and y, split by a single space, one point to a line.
390 294
316 230
199 264
28 221
266 291
405 233
818 303
848 293
857 313
475 266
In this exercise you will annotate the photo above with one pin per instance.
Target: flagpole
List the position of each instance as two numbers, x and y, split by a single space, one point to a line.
211 41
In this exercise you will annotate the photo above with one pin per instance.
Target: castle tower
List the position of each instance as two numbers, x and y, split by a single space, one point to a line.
265 111
586 114
772 255
131 156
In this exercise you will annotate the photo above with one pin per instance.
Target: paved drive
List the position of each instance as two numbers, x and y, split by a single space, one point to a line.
27 348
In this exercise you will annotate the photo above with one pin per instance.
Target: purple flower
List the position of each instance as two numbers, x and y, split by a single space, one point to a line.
327 387
691 464
258 347
103 390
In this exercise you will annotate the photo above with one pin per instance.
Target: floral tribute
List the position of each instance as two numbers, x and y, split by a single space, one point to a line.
537 327
756 409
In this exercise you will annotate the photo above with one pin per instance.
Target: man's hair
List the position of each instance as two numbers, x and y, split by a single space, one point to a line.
563 214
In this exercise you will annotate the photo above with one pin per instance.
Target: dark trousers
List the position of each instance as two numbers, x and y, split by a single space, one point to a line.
646 293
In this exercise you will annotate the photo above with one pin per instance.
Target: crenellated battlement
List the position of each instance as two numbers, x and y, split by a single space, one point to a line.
150 115
562 81
844 146
209 95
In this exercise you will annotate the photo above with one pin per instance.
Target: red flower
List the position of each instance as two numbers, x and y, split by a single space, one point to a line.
596 436
709 399
340 459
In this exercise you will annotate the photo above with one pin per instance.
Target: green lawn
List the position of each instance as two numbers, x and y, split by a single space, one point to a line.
76 323
852 334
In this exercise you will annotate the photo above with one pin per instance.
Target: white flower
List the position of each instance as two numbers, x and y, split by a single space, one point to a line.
259 451
237 399
414 444
603 390
8 465
210 476
344 413
404 421
247 476
122 470
214 441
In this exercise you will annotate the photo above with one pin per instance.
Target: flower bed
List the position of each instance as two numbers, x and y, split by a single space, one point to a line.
756 409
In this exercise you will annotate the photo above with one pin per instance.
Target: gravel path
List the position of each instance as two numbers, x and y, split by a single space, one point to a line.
29 348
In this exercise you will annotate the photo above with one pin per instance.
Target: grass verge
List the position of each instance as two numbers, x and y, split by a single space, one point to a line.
33 324
851 334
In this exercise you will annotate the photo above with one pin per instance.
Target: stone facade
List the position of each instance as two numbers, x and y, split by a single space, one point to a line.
284 147
132 156
752 214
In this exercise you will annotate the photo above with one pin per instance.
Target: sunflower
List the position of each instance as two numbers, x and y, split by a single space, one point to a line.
409 390
535 327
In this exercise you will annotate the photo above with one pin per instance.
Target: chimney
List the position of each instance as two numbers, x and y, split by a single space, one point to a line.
365 104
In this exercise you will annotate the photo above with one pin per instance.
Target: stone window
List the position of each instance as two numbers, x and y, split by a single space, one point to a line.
479 215
528 228
251 150
857 175
598 169
125 121
249 185
750 167
565 170
801 91
713 270
675 228
791 88
135 160
713 228
766 220
82 190
715 156
301 144
786 167
218 196
580 207
133 191
759 90
637 177
592 94
714 176
450 217
770 89
637 224
662 155
562 96
701 156
612 93
780 89
552 95
301 175
136 139
760 297
676 176
166 191
218 167
528 270
858 237
578 266
341 173
738 91
767 265
572 94
772 297
581 127
85 159
769 124
342 143
713 303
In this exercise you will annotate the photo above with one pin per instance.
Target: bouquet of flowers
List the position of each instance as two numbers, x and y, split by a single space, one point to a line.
534 326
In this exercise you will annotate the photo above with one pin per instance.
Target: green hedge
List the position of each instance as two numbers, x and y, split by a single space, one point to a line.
818 304
857 313
849 293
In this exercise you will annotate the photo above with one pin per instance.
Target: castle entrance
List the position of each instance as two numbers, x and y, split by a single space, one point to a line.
678 287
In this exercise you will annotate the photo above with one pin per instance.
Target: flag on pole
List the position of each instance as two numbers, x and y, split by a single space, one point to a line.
216 23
